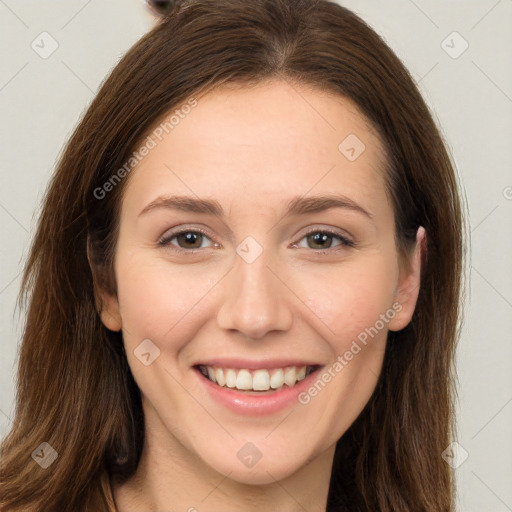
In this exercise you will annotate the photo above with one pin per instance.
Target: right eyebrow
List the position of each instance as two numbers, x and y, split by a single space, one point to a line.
187 204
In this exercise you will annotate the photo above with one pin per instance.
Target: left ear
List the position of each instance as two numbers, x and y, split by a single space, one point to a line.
409 281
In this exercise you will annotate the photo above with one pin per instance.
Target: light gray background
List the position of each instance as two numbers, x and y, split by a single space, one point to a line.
41 100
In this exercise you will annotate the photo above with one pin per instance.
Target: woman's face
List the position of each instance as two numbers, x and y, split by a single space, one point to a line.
291 264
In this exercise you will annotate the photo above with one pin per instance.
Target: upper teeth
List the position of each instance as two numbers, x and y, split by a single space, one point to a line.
257 380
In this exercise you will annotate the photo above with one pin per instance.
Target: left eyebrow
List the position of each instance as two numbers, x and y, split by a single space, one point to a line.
314 204
296 206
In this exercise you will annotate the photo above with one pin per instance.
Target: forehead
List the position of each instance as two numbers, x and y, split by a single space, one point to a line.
262 143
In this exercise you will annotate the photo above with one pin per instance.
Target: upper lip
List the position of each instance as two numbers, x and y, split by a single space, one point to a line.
240 363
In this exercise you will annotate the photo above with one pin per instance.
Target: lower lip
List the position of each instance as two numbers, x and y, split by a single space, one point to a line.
256 405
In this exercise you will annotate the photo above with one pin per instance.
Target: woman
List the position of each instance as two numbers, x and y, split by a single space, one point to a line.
244 287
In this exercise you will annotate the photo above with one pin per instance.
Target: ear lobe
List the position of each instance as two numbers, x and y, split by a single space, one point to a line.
109 314
106 302
409 283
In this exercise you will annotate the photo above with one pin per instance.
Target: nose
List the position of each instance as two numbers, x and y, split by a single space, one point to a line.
255 300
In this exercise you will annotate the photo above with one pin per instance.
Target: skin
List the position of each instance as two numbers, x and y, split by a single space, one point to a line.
253 149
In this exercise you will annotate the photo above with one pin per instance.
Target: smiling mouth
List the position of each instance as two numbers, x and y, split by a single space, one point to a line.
256 381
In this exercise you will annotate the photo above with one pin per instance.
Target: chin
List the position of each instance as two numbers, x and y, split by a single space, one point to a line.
266 470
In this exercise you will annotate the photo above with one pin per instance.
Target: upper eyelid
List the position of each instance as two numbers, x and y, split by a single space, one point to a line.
170 233
331 231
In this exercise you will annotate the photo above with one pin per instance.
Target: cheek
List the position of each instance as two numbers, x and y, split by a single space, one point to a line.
162 301
158 300
349 299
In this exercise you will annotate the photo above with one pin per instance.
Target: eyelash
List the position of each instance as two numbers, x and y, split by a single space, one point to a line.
165 241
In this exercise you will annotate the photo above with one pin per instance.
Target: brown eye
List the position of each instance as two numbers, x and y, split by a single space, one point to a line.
190 239
323 239
186 239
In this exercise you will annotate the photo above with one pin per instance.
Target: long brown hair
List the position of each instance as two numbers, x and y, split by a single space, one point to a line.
75 390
